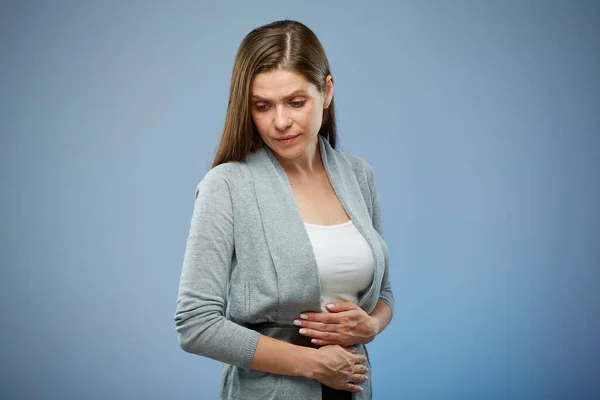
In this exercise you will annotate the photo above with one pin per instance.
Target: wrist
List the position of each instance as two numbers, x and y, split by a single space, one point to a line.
374 325
308 362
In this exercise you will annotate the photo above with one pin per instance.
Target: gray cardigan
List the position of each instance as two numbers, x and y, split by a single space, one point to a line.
249 267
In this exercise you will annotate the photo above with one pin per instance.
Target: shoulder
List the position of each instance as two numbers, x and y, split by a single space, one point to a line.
360 165
228 171
220 178
363 171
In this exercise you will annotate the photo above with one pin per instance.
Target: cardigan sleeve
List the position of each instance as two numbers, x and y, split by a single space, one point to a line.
199 319
386 294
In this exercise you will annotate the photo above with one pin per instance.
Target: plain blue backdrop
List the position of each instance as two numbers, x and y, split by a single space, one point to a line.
481 119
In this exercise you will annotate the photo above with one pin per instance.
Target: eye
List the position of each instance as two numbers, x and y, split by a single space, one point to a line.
262 107
298 103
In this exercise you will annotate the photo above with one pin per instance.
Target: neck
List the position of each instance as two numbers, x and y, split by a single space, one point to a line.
307 163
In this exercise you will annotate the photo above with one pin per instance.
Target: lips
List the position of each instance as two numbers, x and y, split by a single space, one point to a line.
289 139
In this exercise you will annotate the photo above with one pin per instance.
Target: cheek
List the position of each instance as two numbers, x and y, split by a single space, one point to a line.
317 119
311 119
259 122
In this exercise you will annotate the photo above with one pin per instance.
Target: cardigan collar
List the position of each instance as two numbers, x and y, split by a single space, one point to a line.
286 235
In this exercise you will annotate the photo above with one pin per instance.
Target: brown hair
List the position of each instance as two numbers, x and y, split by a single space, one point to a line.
281 44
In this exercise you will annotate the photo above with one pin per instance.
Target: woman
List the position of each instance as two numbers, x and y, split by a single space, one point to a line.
285 274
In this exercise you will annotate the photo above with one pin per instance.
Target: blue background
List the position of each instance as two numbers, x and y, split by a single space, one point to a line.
481 119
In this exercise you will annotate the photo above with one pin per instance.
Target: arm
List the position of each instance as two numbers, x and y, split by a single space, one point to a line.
382 314
386 296
200 322
279 357
199 318
333 366
347 324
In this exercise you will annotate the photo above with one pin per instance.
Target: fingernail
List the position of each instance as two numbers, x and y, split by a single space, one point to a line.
303 316
360 389
297 322
303 331
352 350
330 305
314 341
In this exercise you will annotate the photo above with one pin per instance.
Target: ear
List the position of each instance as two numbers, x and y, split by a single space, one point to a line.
328 91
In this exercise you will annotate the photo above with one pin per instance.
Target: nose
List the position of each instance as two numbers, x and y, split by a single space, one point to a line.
282 119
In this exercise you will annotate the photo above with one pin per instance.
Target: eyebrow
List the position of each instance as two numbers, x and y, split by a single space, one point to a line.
293 94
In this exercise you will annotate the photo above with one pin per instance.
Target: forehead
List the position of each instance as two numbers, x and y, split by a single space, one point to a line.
279 83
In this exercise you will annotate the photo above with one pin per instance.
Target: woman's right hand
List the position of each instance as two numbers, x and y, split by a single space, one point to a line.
338 368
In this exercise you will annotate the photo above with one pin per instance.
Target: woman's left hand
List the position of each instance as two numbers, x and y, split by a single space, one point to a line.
346 324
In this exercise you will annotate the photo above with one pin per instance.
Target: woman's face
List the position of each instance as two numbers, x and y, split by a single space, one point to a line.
288 111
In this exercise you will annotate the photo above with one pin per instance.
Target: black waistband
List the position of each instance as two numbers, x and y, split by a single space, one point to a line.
287 333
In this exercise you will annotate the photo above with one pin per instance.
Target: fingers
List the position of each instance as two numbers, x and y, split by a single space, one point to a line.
321 342
325 317
318 326
359 378
360 374
352 376
360 369
341 306
329 336
359 359
349 387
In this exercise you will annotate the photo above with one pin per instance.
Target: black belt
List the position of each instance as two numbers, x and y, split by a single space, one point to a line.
286 333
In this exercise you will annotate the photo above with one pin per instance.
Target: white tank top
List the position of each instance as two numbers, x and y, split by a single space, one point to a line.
344 260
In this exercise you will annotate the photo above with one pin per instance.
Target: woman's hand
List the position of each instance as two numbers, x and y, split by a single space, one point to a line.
346 324
339 368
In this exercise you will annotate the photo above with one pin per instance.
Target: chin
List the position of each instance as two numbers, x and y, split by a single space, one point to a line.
289 151
292 151
288 154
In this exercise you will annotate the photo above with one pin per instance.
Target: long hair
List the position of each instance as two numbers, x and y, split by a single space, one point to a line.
281 44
